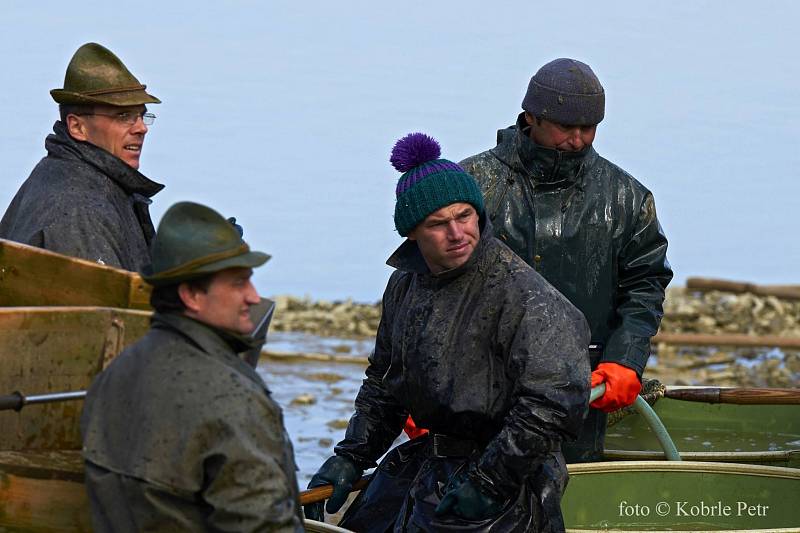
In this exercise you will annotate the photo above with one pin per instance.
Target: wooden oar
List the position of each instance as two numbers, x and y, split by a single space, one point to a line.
17 400
736 395
320 494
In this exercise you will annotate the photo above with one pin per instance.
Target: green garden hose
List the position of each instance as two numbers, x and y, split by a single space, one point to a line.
644 409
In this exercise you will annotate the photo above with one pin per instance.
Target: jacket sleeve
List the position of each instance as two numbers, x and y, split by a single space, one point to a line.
549 354
246 485
643 275
379 417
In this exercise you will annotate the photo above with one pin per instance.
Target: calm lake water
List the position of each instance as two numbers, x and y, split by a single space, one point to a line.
283 114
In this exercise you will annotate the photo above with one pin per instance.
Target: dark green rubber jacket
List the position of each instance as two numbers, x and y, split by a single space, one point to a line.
180 434
488 352
591 230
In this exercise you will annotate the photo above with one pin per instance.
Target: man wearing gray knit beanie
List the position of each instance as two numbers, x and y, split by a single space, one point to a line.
583 223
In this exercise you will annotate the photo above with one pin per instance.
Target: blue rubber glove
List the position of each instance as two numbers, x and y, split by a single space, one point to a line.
339 472
467 501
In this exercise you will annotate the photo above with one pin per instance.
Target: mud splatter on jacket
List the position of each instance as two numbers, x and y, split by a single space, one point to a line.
82 201
591 230
179 434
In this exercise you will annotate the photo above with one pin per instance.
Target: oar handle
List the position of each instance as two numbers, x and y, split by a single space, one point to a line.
17 400
13 401
320 494
736 395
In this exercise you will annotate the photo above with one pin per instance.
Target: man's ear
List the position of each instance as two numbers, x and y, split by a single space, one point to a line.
530 120
412 235
189 296
77 128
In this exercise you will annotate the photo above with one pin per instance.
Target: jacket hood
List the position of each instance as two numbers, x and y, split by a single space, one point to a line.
61 144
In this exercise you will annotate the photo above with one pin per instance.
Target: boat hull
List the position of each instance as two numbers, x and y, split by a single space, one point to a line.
57 349
681 496
46 493
43 492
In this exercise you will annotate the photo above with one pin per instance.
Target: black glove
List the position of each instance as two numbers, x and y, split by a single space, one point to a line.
468 502
339 472
238 228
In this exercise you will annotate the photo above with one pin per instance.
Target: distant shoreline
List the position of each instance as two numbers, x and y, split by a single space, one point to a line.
686 311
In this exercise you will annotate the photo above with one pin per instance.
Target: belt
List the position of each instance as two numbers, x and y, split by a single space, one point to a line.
446 446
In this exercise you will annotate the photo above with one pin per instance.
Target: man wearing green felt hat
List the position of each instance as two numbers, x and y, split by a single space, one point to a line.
87 198
179 432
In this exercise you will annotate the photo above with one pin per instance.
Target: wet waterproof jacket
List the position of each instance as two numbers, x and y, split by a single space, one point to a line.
82 201
487 352
179 434
591 230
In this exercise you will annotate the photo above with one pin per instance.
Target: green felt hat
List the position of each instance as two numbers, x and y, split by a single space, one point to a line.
194 240
96 76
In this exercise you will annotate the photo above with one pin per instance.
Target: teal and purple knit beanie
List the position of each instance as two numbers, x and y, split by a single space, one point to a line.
428 183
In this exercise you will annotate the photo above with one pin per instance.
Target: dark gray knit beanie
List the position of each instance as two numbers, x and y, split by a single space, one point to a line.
566 91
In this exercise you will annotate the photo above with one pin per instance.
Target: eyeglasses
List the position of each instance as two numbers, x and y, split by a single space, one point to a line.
129 117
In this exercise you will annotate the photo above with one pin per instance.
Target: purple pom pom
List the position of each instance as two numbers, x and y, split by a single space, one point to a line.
413 150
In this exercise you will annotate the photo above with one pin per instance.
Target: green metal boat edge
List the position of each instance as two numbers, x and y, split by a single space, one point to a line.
681 496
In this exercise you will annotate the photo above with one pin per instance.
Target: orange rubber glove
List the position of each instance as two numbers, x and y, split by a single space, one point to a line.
412 430
622 386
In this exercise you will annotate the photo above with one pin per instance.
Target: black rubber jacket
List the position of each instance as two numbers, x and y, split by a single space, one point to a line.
591 230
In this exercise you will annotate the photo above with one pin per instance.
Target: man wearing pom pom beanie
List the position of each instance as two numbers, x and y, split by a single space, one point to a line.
584 224
479 349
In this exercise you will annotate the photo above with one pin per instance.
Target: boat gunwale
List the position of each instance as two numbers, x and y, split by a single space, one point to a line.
770 530
49 309
24 469
700 467
722 457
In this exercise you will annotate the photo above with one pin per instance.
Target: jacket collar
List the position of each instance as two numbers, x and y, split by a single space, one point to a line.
213 341
544 166
208 338
132 181
408 257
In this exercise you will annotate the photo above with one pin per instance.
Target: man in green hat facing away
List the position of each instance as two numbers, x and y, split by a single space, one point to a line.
179 433
86 198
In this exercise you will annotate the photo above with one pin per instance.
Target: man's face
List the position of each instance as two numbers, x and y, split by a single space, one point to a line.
447 237
226 303
568 138
103 129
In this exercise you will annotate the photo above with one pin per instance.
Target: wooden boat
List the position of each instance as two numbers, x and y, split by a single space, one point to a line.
62 320
46 349
752 434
